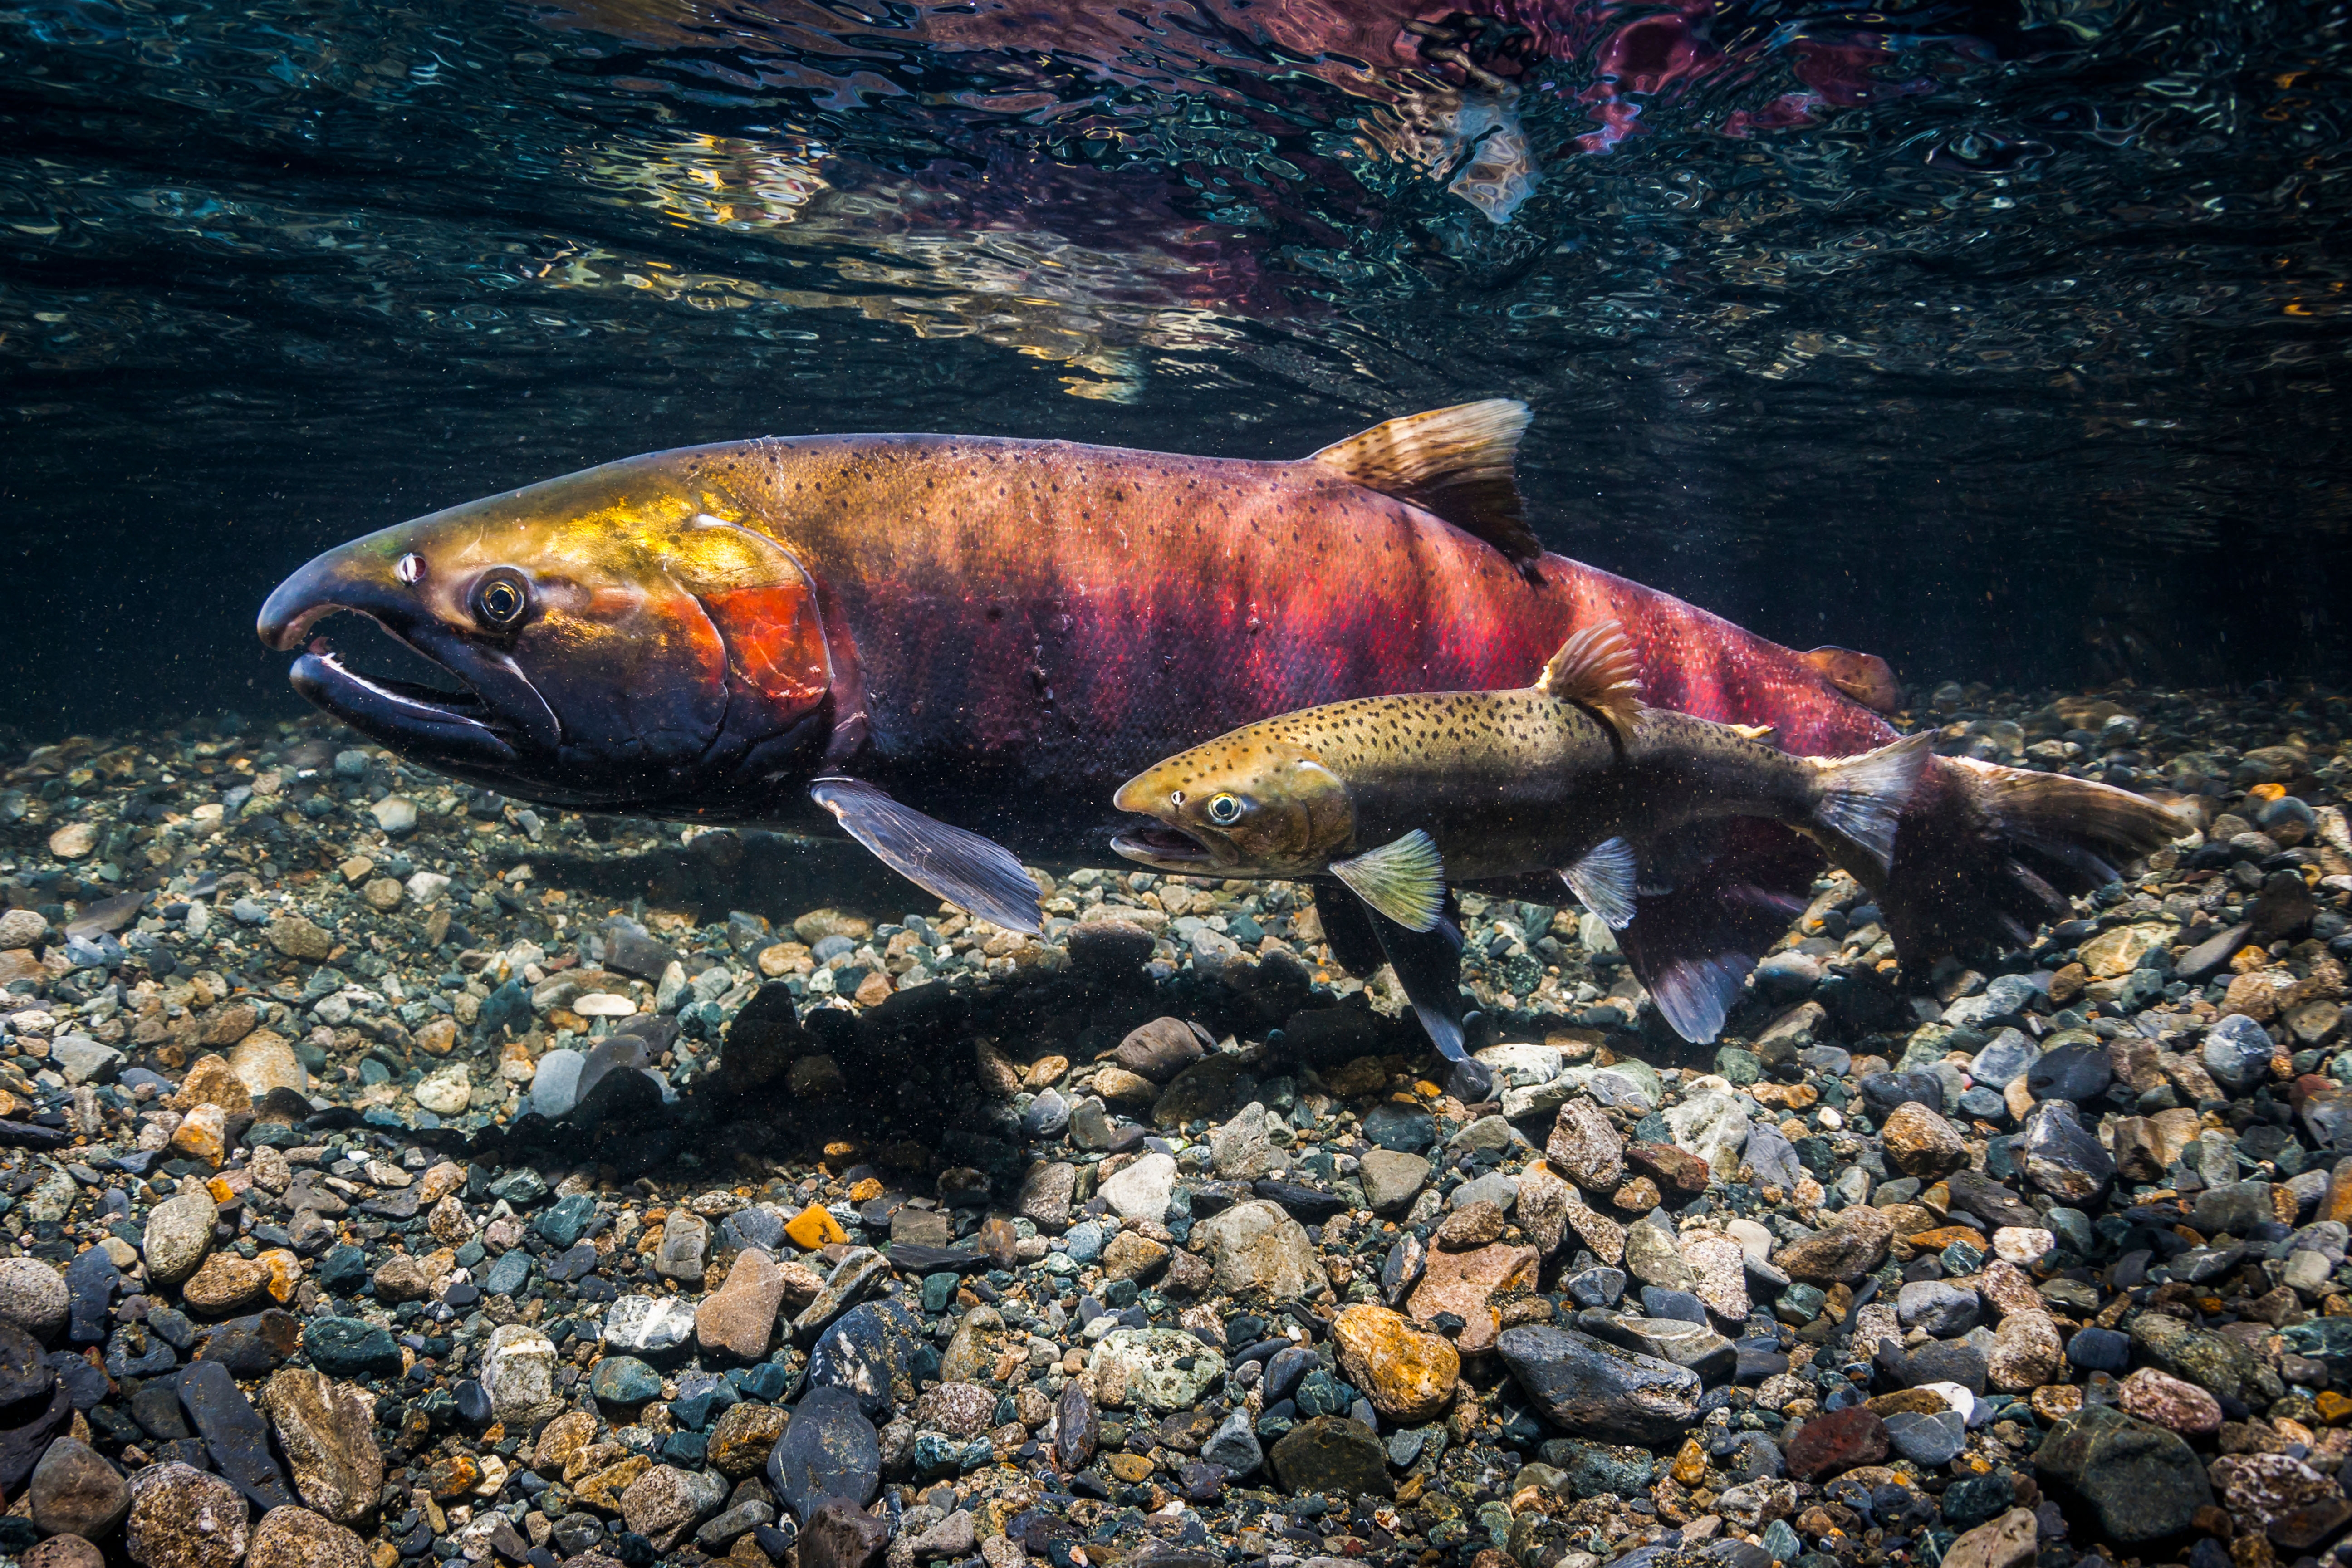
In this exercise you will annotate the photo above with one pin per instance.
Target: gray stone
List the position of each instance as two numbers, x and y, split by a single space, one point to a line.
83 1060
555 1083
2061 1156
2007 1057
74 1492
2140 1481
1390 1180
179 1233
1233 1447
182 1517
1258 1246
33 1296
1142 1191
1590 1388
2238 1053
1931 1439
1944 1310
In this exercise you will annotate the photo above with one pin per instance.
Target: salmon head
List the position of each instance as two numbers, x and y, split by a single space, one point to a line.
1253 803
614 639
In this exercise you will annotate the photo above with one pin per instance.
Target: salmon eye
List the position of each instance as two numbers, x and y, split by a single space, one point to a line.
1225 810
500 598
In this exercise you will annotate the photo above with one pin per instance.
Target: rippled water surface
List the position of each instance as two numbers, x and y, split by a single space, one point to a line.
2004 339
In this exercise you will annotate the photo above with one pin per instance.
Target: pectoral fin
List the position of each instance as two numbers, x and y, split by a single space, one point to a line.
1403 879
974 873
1602 882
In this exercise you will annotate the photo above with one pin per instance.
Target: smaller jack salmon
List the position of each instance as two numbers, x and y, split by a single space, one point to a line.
1393 795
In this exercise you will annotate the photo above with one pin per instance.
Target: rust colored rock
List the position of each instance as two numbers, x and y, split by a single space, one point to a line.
1463 1283
1676 1170
1837 1441
1408 1376
1586 1149
1841 1252
1921 1143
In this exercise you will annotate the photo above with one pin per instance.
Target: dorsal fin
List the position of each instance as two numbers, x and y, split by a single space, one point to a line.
1452 462
1596 669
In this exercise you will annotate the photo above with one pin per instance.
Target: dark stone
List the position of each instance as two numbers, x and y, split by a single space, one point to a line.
1937 1360
90 1281
156 1408
1400 1128
351 1347
1309 1205
829 1450
1331 1454
1836 1440
254 1346
1159 1050
2062 1157
21 1447
234 1433
24 1374
1974 1193
2099 1350
1594 1469
1076 1430
1883 1091
85 1384
839 1536
2140 1481
564 1221
2077 1072
1590 1388
864 1352
1975 1500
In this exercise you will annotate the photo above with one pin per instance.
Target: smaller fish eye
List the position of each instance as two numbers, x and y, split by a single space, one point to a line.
1224 809
410 568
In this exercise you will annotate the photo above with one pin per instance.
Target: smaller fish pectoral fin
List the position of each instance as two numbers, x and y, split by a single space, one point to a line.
1403 879
974 873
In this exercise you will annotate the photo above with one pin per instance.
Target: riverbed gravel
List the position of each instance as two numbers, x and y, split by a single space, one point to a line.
390 1173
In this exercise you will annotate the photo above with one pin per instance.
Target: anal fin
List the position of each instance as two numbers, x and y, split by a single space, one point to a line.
1693 946
977 874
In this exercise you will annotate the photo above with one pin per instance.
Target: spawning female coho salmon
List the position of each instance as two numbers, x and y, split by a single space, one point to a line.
1390 796
955 647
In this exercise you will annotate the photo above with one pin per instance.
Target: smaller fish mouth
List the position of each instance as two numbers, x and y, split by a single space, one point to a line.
1161 846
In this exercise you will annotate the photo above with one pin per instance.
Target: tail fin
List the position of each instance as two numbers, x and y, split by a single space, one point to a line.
1863 797
1988 852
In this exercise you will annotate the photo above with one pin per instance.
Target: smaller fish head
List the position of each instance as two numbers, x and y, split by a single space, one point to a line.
1248 805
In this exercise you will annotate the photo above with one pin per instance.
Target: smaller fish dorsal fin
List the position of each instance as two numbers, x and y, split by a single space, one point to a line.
1596 669
1455 463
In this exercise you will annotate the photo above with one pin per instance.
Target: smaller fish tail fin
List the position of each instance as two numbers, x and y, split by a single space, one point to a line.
1990 852
1598 670
1863 797
1455 463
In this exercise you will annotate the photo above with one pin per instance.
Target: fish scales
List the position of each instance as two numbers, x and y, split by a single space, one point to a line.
1061 614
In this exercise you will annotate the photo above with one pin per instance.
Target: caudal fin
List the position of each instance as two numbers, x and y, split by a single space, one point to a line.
1988 852
1863 797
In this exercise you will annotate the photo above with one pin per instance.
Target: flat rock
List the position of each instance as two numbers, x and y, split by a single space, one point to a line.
182 1517
1590 1388
327 1432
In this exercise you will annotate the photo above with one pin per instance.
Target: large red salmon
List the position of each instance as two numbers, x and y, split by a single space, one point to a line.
914 631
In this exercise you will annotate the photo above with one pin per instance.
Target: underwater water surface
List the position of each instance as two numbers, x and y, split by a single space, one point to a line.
2005 340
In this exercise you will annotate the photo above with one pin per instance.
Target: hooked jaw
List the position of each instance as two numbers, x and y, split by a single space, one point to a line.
485 727
1159 844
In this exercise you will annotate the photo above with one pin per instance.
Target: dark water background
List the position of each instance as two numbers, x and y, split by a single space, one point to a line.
2006 341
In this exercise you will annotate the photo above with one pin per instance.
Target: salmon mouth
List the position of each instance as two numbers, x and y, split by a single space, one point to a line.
452 726
491 719
1164 847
